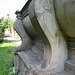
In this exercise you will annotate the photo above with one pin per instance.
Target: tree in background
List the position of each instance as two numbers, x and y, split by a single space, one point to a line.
5 23
10 23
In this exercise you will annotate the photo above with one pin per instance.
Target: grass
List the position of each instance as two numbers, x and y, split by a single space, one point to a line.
6 58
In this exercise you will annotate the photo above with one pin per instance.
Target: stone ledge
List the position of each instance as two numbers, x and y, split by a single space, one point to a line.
70 66
30 58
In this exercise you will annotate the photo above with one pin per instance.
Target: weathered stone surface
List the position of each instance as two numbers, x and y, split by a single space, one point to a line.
66 17
24 36
44 49
48 23
70 66
65 73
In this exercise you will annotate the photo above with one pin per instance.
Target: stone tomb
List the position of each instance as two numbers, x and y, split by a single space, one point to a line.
47 30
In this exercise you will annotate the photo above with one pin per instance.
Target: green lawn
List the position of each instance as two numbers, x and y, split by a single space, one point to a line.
6 58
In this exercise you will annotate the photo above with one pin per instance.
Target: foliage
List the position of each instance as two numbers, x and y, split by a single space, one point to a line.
4 23
1 40
6 58
10 23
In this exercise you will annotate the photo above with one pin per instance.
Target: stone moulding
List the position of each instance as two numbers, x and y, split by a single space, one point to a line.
44 49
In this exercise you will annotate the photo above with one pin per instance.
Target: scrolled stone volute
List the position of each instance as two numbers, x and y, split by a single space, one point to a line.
44 48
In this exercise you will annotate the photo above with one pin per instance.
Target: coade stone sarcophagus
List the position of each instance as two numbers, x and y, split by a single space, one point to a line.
48 38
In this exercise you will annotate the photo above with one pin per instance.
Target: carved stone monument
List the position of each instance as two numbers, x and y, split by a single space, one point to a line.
47 30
